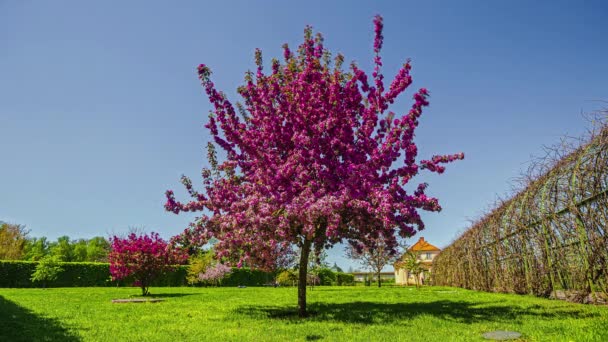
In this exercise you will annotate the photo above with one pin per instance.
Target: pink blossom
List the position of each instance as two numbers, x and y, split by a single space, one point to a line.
215 274
142 258
314 157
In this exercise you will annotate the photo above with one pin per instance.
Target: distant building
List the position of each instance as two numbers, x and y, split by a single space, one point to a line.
426 253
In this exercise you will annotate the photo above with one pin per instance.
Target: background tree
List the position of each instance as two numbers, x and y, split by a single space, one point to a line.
313 157
413 265
373 256
36 249
317 263
199 264
13 238
47 270
63 249
98 249
142 258
79 250
287 278
67 250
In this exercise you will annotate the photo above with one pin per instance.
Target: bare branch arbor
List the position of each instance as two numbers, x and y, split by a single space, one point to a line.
550 236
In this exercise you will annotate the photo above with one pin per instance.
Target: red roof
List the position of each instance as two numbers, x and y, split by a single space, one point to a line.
423 246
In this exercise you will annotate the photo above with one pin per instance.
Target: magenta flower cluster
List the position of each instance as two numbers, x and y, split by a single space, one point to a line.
142 258
313 155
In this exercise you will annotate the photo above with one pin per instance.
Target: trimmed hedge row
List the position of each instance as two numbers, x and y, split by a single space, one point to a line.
329 277
85 274
18 274
247 277
344 279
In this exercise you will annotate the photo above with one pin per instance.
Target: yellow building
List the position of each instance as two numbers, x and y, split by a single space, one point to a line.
425 253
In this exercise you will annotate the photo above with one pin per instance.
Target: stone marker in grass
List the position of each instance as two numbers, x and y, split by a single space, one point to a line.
501 335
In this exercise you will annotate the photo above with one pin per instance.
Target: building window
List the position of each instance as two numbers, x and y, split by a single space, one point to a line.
428 256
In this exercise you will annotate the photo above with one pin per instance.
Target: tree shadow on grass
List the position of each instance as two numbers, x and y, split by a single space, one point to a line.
385 313
20 324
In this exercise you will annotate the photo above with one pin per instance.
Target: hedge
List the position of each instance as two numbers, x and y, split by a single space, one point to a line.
248 277
345 279
16 273
85 274
326 276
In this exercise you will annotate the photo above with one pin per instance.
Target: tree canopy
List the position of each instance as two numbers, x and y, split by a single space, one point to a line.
313 157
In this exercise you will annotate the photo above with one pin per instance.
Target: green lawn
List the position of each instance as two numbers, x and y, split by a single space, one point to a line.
268 314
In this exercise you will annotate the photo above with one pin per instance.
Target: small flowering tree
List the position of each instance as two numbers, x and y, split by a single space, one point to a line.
214 274
314 157
142 258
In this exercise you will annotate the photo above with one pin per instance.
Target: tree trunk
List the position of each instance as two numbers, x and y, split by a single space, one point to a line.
303 273
379 280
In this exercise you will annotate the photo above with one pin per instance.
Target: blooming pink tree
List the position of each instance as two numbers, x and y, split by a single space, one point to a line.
214 274
142 258
313 157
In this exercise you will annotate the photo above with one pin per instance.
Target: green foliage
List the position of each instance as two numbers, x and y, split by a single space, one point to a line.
82 250
268 314
345 279
79 251
287 278
326 276
199 264
412 264
15 273
36 249
18 274
175 278
98 249
47 270
63 249
247 277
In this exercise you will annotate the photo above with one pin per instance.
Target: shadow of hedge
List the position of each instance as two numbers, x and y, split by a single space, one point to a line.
20 324
386 313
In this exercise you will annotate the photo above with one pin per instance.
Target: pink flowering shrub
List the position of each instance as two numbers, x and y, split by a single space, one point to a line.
314 157
142 258
214 274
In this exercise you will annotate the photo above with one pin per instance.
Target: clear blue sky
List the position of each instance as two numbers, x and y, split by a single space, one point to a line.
101 110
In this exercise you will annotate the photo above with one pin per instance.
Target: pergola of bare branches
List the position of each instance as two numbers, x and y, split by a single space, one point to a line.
548 237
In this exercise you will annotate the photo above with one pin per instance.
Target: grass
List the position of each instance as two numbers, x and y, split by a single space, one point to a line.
268 314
